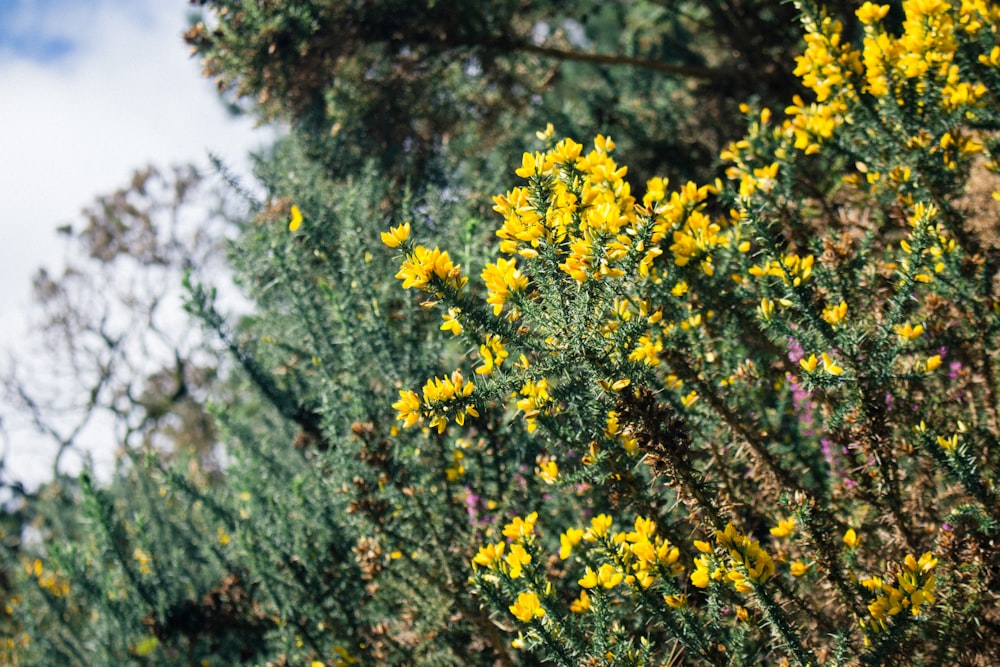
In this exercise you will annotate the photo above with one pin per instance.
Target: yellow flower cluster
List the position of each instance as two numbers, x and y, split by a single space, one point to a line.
645 555
491 556
579 212
827 61
792 269
835 315
429 270
918 67
503 279
637 558
528 606
920 60
747 564
810 364
443 398
926 49
493 353
535 399
49 581
914 590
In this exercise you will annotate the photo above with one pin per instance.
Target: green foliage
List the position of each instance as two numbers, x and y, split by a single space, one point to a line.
734 421
423 89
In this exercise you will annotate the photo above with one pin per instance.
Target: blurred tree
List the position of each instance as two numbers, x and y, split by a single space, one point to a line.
421 87
113 351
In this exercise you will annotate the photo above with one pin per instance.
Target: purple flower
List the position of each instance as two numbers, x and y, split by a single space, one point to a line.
473 505
827 448
795 351
802 405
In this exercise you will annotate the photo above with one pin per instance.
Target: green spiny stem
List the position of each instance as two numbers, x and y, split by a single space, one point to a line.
879 439
660 433
776 617
746 431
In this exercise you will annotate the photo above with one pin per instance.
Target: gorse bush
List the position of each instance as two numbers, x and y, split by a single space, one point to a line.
783 383
747 421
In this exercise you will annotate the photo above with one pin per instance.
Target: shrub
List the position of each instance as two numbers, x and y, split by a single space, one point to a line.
747 421
766 405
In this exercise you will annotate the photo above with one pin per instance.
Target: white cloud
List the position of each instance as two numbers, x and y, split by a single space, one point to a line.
75 126
128 95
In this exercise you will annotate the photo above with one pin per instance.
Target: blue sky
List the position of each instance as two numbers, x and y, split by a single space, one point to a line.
91 90
28 31
20 21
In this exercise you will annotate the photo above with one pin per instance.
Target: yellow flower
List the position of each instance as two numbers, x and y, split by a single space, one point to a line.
618 385
608 576
296 221
520 528
599 527
834 315
568 540
516 560
932 363
690 399
589 579
798 568
546 134
784 528
408 407
502 279
907 332
851 538
766 309
451 322
531 165
739 581
948 444
527 607
489 554
809 365
581 604
604 144
700 576
675 601
548 471
423 265
829 366
870 13
397 235
493 354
